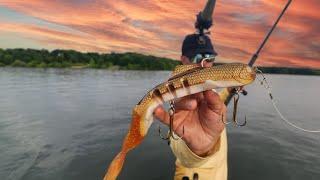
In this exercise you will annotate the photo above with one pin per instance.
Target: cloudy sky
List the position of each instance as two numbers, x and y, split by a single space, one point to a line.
157 27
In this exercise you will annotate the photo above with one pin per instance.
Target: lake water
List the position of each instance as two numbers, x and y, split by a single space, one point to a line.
69 124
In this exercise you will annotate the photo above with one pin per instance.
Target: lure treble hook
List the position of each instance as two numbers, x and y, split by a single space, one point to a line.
170 133
224 122
235 108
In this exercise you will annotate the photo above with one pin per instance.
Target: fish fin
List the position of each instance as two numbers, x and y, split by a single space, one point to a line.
132 140
115 166
181 70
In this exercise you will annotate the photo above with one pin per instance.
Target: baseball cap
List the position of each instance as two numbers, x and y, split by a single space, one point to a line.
194 44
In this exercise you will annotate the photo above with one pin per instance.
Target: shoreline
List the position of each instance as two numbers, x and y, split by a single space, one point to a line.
265 70
32 58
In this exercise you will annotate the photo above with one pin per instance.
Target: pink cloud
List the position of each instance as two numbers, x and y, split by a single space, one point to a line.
158 27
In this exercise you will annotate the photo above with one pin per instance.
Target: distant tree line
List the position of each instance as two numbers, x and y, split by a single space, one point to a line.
117 61
71 58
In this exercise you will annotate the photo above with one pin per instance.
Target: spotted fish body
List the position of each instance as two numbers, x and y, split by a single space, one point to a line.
186 80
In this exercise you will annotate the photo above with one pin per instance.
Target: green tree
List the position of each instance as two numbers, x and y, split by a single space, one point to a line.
92 63
19 63
42 65
33 63
7 59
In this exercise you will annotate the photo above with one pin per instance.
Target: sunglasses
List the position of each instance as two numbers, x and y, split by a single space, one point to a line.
207 57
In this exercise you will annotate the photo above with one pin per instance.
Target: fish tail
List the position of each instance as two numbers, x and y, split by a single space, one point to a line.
133 139
115 166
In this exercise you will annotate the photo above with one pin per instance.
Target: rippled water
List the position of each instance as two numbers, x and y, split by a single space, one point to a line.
69 124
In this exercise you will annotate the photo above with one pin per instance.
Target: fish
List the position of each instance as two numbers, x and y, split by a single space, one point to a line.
185 80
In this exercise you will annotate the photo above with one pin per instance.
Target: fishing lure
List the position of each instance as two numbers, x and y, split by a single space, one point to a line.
186 80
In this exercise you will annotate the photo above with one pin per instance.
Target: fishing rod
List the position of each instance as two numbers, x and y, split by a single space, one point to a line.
256 55
204 18
263 81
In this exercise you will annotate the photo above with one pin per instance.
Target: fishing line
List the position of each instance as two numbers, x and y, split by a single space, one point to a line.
267 86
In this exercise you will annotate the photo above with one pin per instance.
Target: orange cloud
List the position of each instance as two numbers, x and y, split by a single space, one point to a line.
158 27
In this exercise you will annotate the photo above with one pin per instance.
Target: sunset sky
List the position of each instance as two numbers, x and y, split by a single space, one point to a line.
157 27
